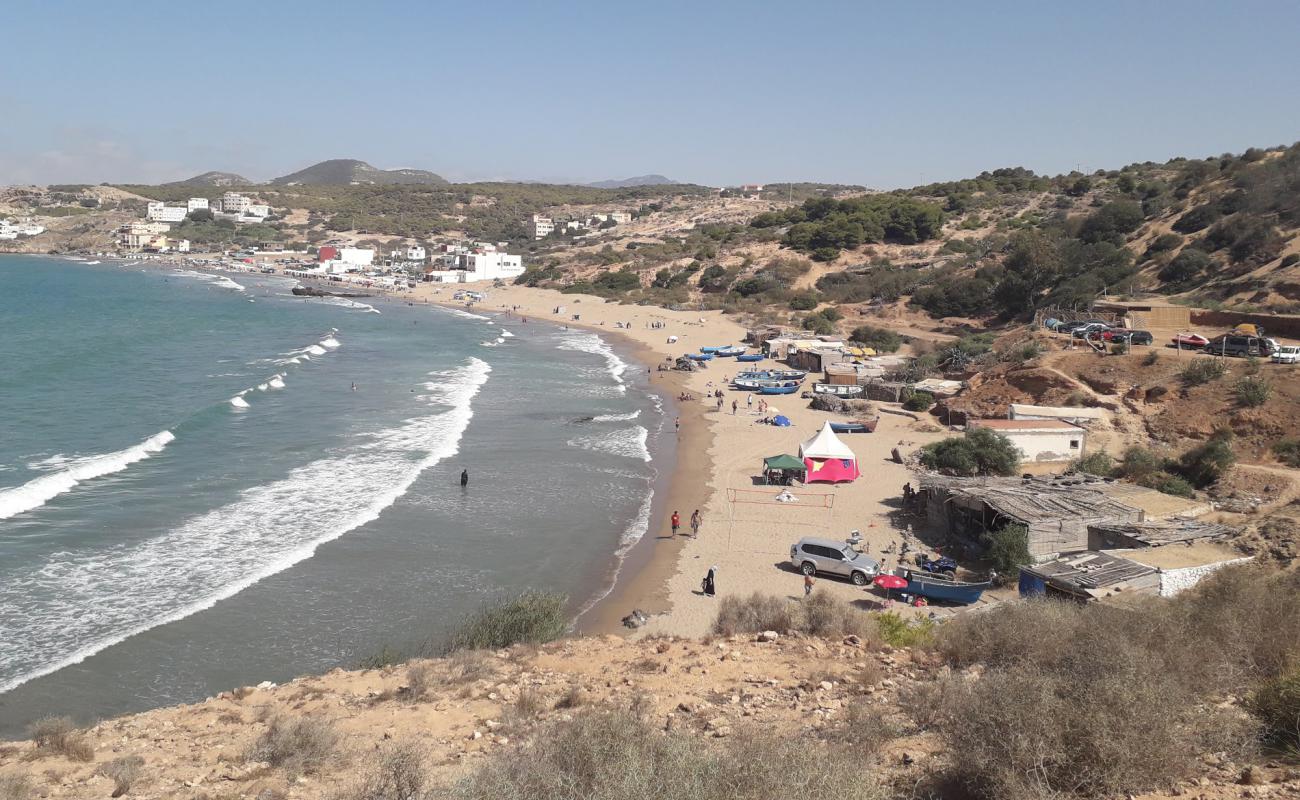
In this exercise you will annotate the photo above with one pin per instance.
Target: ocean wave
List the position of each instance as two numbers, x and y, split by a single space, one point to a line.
276 383
216 280
506 333
75 604
591 343
330 342
634 532
38 491
465 314
238 401
629 442
344 302
628 417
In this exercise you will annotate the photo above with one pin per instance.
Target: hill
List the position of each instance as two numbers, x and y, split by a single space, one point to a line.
213 179
347 171
625 183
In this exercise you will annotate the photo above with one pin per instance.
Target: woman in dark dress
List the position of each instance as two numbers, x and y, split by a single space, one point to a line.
709 584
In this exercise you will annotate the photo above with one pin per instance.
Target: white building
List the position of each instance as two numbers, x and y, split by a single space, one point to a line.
260 210
491 266
183 246
1044 441
196 203
620 217
415 253
542 226
161 212
234 203
357 256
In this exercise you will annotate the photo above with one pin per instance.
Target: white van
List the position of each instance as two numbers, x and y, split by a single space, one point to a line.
1286 354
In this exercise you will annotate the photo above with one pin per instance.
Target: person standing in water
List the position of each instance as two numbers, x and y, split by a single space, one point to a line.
464 478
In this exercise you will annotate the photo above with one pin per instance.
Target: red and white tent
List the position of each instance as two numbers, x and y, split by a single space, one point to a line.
828 459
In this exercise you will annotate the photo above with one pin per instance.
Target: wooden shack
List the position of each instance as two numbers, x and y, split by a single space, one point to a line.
1145 314
1088 576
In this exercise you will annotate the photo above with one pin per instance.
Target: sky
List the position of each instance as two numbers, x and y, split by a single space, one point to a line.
883 94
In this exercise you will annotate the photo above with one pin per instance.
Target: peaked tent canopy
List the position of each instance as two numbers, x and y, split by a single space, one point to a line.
827 458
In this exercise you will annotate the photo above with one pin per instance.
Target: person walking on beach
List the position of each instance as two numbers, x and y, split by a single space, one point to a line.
749 401
734 406
464 478
695 523
808 585
676 522
709 585
677 424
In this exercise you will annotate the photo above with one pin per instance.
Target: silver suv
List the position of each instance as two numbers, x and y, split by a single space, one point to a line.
811 556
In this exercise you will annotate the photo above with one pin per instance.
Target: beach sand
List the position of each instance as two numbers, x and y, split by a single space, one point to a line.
744 533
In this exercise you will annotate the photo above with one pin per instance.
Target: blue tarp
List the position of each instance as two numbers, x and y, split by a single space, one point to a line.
781 421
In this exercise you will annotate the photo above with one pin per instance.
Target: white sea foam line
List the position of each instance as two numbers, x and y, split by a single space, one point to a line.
76 604
344 302
330 342
467 315
591 343
216 280
629 442
628 417
238 401
506 333
635 531
38 491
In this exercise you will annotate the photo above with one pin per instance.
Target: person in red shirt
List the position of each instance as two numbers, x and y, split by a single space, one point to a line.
677 522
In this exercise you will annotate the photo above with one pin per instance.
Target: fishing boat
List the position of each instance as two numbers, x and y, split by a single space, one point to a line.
939 587
700 356
713 349
751 357
787 374
778 387
729 351
856 426
839 389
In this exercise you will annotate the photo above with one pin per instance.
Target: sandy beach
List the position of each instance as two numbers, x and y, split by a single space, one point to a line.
744 533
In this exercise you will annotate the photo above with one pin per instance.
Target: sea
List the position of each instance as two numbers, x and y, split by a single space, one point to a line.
207 482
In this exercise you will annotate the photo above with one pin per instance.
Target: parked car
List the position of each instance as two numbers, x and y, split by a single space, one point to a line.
1125 335
1192 341
1230 344
812 556
1091 330
1071 327
1286 354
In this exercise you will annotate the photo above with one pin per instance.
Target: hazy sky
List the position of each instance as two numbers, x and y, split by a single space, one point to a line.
882 94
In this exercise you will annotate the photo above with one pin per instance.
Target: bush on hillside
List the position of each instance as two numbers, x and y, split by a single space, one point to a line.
918 401
300 745
1163 244
1253 392
1186 267
1203 370
1206 463
61 736
882 340
397 773
1288 452
803 302
1197 219
979 452
1138 462
1166 483
16 786
1277 704
616 755
1007 549
533 617
1097 463
819 614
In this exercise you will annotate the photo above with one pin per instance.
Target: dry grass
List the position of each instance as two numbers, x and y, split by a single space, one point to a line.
397 774
527 708
420 680
15 786
124 772
573 698
616 756
820 614
467 666
299 745
60 736
862 728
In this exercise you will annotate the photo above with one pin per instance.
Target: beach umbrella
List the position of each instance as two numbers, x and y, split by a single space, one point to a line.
890 581
781 421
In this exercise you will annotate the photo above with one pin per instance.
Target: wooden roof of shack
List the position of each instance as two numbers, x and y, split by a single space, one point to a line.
1033 501
1089 570
1168 531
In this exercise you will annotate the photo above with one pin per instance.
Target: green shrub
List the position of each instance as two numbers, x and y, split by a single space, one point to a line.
1203 370
803 302
918 401
1206 463
1138 462
532 617
1187 266
899 631
1288 452
979 452
1277 704
397 773
1290 259
881 340
1096 463
1007 549
754 614
1253 392
1166 483
1151 359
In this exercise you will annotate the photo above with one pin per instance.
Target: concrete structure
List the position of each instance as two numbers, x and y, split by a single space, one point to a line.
1039 441
491 266
259 210
234 203
542 226
1075 416
1092 575
620 217
183 246
357 256
161 212
196 203
1140 315
416 253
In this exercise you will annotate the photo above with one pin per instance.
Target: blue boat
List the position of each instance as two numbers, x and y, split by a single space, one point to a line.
730 351
779 387
700 356
855 426
713 349
939 587
751 357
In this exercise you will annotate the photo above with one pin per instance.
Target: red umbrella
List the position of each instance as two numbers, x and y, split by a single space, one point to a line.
890 582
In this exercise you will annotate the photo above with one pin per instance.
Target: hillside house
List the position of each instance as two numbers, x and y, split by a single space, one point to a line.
1045 441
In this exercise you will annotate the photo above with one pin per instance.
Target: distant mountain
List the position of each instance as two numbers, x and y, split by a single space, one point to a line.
344 171
627 183
213 179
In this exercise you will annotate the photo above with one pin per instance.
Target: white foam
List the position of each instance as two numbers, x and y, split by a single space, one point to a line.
91 599
344 302
629 442
465 314
276 383
633 533
316 350
216 280
628 417
261 387
37 492
330 342
238 401
591 343
506 333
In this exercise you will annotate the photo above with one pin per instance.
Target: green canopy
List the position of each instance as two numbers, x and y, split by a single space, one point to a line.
782 462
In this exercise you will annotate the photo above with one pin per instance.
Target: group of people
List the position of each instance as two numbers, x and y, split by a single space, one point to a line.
696 519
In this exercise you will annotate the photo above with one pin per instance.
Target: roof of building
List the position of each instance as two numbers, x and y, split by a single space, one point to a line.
1022 410
1155 505
1181 556
1025 424
1033 501
1127 304
1162 532
1089 569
